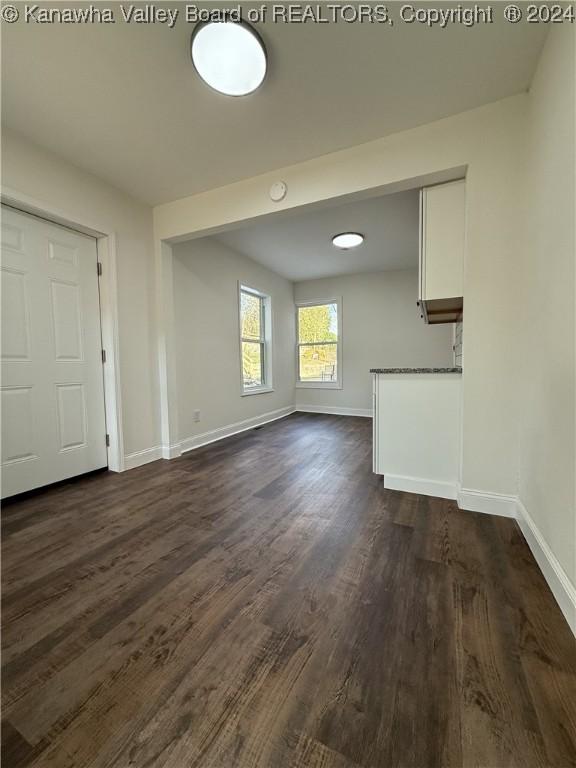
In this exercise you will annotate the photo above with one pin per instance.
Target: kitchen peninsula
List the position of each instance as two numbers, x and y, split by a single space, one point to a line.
417 428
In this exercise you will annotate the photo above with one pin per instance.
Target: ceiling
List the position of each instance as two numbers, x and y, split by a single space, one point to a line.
299 247
123 101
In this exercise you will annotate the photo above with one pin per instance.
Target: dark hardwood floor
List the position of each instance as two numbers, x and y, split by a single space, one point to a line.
263 602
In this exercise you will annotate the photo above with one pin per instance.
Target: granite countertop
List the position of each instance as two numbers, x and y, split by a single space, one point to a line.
415 370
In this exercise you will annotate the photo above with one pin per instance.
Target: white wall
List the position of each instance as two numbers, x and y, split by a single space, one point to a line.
458 343
545 271
382 328
206 275
33 172
489 143
518 382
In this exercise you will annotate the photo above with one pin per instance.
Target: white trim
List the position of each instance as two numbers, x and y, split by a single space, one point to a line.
138 458
265 341
196 441
420 485
165 327
318 385
375 430
106 248
503 505
256 391
109 324
334 410
489 503
171 451
560 585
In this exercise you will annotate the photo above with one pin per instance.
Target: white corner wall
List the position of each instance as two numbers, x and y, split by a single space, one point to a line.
206 275
546 329
36 173
382 328
488 143
518 382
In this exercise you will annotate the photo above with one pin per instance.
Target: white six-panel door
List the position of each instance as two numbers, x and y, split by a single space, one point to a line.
53 423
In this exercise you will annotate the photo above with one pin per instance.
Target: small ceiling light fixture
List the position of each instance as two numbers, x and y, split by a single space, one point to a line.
347 240
229 56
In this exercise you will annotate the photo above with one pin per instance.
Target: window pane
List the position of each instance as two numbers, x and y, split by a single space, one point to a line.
250 308
318 362
319 323
252 364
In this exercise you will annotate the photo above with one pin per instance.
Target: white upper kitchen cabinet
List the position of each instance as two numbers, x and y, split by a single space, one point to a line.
442 241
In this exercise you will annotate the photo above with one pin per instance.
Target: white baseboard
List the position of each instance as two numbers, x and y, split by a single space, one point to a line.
138 458
334 410
189 443
420 485
468 499
558 581
486 502
171 451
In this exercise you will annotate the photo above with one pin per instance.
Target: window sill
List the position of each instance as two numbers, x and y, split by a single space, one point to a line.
259 391
318 385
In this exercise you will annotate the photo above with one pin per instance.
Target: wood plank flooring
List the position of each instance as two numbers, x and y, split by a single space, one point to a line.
264 603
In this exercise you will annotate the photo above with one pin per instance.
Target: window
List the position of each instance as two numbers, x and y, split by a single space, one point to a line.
319 335
255 341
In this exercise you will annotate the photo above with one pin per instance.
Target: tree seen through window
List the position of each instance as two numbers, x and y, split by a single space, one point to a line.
318 343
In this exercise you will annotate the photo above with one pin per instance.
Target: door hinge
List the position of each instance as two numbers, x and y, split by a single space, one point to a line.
107 441
103 356
99 268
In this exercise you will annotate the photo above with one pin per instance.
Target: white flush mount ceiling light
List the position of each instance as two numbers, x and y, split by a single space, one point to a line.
229 56
347 240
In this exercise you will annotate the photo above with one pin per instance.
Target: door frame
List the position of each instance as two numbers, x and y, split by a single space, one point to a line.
106 250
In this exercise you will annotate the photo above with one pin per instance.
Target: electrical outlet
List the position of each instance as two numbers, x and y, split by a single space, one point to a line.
196 416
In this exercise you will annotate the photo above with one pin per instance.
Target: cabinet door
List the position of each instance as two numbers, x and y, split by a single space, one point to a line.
443 231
